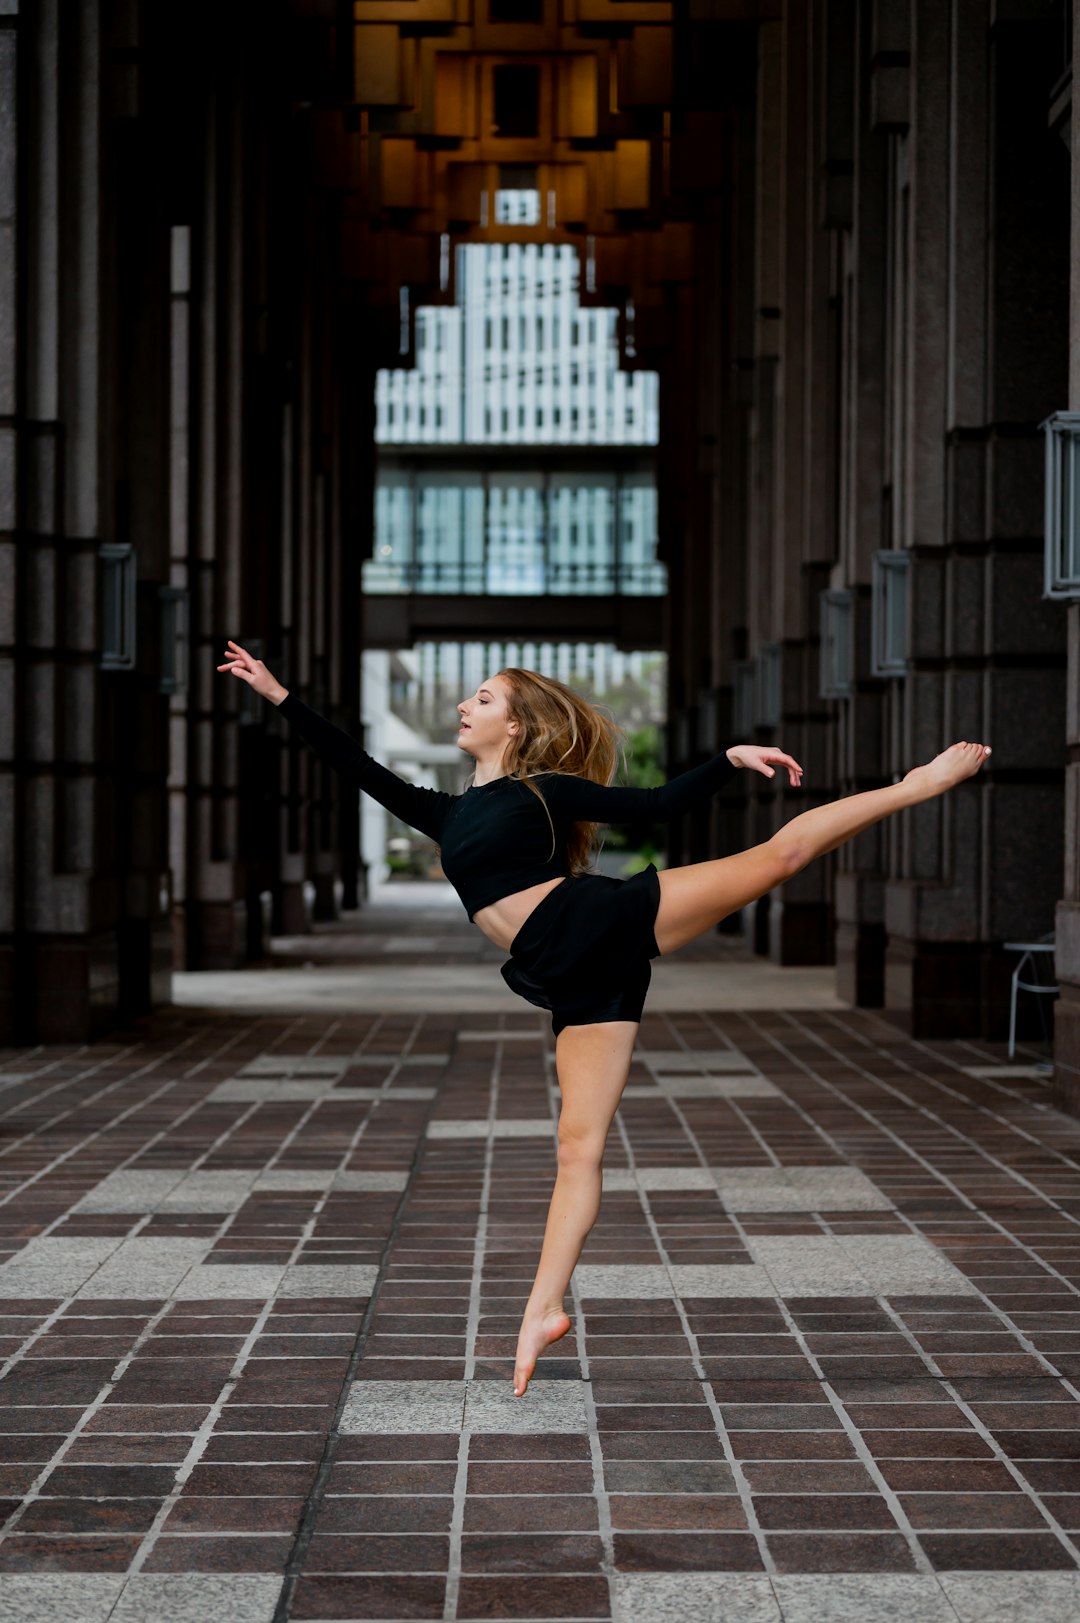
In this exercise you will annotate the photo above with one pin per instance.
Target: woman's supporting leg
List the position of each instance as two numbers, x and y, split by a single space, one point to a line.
695 898
593 1063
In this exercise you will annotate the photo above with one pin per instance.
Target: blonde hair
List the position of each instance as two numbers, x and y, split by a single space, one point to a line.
559 731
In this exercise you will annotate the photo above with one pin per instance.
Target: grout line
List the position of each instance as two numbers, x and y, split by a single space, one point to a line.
854 1436
957 1194
734 1463
140 1220
1014 1470
472 1328
961 1098
317 1491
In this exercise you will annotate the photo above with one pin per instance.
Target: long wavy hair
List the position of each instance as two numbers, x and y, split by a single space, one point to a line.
559 731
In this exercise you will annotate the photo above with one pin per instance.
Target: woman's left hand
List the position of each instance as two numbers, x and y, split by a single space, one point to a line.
761 758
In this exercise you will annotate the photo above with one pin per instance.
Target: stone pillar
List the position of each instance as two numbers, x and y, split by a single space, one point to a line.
1067 923
859 741
969 509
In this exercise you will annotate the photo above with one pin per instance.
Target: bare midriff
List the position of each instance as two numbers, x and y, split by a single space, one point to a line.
501 920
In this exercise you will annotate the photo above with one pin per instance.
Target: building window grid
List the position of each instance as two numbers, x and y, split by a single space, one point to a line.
889 613
117 606
530 395
767 674
1062 529
837 644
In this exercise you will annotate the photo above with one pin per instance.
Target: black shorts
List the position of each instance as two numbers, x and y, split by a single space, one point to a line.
584 951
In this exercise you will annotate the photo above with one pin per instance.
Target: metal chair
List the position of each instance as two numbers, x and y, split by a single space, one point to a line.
1033 953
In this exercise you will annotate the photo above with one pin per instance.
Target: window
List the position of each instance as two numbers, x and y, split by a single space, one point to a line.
516 11
516 98
837 645
889 634
117 607
767 685
1062 538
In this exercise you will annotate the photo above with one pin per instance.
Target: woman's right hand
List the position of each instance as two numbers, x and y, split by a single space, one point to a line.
254 673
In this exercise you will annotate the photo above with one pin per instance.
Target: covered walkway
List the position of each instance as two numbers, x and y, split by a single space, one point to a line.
265 1266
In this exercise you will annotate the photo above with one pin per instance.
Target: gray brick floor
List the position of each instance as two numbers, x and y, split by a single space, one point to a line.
261 1272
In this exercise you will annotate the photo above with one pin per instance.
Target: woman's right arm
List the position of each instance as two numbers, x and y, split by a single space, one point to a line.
423 809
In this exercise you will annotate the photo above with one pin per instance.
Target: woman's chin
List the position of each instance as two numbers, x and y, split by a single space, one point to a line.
462 743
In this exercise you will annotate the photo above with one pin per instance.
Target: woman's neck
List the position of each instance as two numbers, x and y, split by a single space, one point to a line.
488 772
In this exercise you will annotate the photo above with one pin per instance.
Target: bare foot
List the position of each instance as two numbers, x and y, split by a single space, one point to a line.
537 1332
951 767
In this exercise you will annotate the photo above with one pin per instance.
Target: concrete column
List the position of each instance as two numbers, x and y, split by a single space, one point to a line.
1067 923
986 211
860 736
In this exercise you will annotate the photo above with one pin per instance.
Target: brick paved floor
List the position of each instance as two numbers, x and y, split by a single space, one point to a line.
263 1274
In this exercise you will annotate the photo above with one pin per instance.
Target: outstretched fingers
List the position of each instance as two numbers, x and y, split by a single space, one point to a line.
238 662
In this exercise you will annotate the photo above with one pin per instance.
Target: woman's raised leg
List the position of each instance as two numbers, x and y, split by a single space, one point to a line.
695 898
593 1063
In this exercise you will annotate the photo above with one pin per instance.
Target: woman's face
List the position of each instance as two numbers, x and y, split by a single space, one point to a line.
486 724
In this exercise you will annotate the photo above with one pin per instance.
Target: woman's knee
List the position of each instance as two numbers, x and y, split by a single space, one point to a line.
579 1151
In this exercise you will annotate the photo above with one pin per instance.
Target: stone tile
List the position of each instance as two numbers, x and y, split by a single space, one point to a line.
660 1178
194 1597
857 1265
662 1060
325 1065
748 1086
858 1597
209 1192
286 1180
630 1281
328 1279
1005 1073
718 1279
529 1127
130 1191
369 1181
1013 1597
149 1269
622 1178
693 1597
243 1281
45 1597
286 1090
548 1407
405 1406
798 1189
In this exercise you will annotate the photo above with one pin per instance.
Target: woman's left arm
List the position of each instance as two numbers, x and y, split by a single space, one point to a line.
580 799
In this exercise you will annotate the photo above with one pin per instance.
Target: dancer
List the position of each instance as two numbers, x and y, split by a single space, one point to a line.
515 846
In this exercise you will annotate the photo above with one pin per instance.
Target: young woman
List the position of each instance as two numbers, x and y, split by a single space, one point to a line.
515 847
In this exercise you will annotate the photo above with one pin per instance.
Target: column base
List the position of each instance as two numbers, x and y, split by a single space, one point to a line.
327 905
860 964
145 964
800 933
294 908
947 989
59 989
217 935
1066 1082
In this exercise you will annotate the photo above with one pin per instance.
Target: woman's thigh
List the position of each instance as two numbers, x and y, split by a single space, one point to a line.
593 1063
695 898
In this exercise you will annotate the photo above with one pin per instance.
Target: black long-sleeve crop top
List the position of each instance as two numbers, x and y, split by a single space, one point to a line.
496 838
